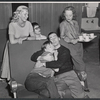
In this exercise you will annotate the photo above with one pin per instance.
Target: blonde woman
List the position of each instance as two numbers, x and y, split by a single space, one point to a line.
20 28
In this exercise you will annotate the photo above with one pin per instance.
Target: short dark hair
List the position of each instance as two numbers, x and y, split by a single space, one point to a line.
45 44
50 34
69 8
35 24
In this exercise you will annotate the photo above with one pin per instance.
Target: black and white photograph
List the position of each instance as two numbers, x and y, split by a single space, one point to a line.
50 50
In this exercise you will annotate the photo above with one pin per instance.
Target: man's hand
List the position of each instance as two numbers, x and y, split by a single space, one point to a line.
20 40
56 55
38 64
46 58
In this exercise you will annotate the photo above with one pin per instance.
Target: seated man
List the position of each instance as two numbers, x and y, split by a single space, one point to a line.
41 78
66 74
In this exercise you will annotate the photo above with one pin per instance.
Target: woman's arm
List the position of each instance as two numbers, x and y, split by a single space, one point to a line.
73 41
62 31
62 58
11 33
32 36
31 33
13 40
63 36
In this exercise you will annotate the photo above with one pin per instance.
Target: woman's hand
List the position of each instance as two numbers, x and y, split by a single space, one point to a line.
31 38
56 54
74 41
20 40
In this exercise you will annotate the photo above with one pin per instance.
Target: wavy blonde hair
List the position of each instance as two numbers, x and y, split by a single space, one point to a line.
19 9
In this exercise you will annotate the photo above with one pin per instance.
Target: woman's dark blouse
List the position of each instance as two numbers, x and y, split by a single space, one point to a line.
64 62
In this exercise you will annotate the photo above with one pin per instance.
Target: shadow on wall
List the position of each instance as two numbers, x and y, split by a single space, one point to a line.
3 40
58 29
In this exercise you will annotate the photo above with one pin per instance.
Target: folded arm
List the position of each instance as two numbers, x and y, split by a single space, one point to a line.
62 58
65 37
35 56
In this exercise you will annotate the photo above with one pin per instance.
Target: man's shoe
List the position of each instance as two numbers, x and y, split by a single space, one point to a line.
86 90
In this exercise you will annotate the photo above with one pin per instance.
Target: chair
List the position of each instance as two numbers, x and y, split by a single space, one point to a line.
21 65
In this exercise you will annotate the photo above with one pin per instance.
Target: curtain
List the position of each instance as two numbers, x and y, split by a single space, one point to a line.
48 14
5 14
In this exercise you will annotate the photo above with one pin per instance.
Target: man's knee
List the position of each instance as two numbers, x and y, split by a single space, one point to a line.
63 90
45 93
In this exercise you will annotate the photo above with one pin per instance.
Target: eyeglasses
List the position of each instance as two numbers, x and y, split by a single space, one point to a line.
37 28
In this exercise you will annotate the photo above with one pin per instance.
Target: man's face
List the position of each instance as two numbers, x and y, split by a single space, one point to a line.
54 39
37 29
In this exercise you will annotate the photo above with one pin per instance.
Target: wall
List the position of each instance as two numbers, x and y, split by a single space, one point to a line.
3 39
48 14
94 43
5 15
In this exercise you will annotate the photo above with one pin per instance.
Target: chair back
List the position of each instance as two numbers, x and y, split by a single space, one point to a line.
20 62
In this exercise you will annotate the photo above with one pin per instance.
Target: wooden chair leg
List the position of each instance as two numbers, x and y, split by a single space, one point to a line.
15 95
14 86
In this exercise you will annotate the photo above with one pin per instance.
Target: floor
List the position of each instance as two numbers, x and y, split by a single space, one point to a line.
91 58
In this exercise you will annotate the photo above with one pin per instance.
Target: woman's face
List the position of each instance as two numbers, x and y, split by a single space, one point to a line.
37 29
23 15
68 15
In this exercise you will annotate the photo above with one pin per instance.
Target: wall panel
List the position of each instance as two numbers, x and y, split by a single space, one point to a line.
5 14
48 14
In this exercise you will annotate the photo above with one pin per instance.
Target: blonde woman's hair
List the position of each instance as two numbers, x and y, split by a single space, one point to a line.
18 10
